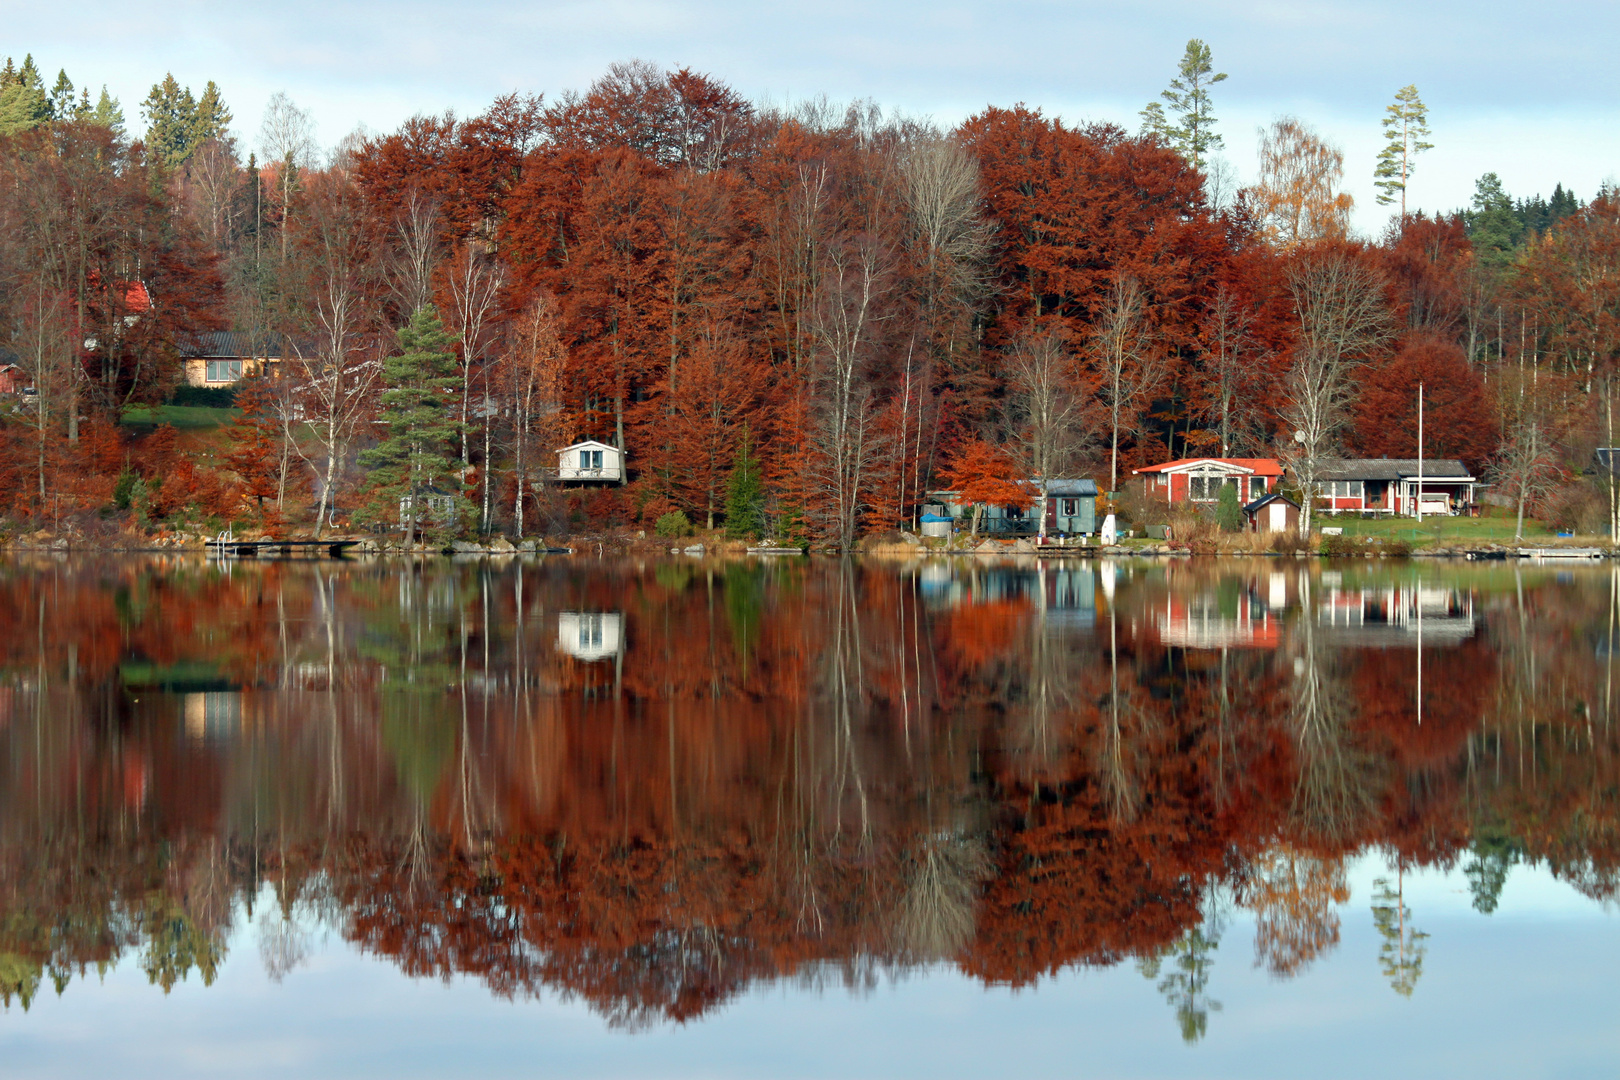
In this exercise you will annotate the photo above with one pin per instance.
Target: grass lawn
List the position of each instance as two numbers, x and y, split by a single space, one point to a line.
181 417
1494 529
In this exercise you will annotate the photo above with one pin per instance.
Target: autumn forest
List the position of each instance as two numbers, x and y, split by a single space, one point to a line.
838 303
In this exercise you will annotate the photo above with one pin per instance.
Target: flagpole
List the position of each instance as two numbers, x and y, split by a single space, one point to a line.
1420 455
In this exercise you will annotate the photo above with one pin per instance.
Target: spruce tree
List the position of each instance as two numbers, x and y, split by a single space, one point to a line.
745 494
414 470
24 103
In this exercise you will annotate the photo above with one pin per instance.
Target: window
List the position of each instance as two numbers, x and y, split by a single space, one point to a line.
223 371
1071 507
1343 489
1257 487
590 626
590 459
1205 488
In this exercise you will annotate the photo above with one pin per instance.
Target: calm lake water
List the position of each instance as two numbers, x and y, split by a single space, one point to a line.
1276 818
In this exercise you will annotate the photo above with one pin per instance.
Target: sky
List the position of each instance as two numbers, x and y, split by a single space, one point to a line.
1527 91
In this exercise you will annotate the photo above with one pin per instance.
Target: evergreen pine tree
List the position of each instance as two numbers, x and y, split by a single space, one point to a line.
745 494
414 469
109 114
61 101
1494 227
1406 125
24 104
1192 133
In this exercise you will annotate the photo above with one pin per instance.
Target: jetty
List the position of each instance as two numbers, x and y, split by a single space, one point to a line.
225 547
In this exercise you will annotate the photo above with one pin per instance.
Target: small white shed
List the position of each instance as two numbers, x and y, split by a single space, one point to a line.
590 460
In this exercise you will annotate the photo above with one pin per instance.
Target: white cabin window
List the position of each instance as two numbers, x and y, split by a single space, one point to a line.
590 459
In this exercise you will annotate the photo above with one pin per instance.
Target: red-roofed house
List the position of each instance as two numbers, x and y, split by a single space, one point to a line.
1199 479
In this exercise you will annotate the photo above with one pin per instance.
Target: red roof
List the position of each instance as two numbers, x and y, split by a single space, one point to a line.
1262 466
136 298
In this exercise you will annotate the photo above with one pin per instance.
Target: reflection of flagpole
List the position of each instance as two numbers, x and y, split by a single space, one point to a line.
1417 598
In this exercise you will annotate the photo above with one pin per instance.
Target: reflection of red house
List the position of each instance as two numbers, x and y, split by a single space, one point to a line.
1200 480
1197 621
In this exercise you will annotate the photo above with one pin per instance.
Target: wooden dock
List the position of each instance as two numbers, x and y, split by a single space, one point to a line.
230 548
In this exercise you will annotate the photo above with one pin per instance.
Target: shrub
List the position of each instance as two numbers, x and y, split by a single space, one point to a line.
1229 511
1287 542
1341 546
673 525
213 397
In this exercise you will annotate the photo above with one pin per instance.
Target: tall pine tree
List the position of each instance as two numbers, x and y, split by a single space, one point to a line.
745 494
1406 125
1192 131
414 470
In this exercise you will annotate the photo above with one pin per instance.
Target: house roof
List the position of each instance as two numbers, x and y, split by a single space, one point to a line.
1391 469
592 443
1265 500
1261 466
1071 489
234 345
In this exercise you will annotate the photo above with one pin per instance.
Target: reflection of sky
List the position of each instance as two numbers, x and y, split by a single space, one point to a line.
1526 992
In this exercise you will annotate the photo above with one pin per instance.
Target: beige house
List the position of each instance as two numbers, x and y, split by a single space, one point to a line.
226 357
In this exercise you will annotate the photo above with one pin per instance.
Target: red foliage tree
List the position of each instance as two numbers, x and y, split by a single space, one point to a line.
1458 417
981 474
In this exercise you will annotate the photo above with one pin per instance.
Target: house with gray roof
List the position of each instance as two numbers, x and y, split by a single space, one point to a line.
1392 486
226 357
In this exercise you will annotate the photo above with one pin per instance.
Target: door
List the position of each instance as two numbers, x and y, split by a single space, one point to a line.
1279 516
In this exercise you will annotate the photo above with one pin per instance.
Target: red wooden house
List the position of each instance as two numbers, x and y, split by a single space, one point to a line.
13 379
1200 480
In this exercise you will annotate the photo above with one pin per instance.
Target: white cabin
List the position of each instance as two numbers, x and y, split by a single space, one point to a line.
590 635
590 460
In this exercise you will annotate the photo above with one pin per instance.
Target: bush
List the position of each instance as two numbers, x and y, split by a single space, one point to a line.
212 397
1288 542
1341 546
673 525
1229 511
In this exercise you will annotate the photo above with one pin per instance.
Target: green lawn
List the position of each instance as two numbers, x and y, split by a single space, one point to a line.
190 417
1495 529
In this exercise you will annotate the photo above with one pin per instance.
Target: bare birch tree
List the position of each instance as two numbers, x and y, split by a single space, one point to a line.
333 378
475 291
531 380
1130 366
1046 411
1232 373
287 137
950 241
1343 322
1526 463
845 441
413 256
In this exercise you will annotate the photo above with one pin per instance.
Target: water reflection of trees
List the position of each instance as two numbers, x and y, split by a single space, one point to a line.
813 771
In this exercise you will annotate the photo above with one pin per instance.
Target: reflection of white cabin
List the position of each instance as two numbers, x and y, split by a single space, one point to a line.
590 635
1394 615
590 460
